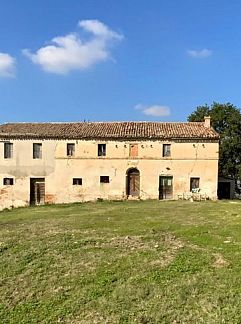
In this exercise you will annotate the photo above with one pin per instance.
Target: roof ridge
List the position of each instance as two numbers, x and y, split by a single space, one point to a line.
100 122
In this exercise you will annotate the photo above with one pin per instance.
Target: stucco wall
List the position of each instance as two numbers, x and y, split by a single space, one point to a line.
188 159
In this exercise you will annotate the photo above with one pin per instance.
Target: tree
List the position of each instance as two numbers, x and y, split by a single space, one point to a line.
226 120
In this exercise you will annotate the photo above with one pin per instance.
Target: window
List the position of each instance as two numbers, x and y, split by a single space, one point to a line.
37 150
70 149
8 181
104 179
166 150
133 150
8 150
101 149
77 181
194 184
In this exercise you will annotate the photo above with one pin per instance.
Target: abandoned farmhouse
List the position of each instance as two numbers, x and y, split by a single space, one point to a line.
73 162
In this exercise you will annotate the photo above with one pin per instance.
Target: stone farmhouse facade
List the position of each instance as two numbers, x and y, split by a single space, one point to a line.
74 162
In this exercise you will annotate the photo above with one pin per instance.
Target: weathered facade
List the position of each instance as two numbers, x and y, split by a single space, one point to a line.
70 162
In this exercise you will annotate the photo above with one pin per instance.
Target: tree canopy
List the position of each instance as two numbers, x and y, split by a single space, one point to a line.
226 120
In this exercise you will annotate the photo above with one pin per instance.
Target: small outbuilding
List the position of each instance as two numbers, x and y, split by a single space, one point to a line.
226 188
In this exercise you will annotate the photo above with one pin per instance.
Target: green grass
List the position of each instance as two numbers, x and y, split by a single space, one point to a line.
121 262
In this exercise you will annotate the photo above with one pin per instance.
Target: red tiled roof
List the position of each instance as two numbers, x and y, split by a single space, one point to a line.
108 130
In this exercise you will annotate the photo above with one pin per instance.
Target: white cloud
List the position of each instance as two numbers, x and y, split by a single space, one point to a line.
155 110
70 52
200 54
7 65
99 29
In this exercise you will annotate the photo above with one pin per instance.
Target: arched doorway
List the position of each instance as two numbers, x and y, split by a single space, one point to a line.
133 182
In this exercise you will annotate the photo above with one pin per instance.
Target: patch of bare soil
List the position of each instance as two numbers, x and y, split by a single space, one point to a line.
166 245
128 242
171 246
220 262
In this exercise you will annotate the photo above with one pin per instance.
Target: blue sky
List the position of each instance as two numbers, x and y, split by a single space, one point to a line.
103 60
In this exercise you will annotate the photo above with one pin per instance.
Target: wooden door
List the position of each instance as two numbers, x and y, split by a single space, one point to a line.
133 183
165 187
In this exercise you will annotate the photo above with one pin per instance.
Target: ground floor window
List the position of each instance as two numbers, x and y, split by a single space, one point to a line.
8 181
77 181
194 184
104 179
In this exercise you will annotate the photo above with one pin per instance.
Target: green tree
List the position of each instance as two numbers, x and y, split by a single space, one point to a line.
226 120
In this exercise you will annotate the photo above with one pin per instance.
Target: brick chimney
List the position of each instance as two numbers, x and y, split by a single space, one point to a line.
207 121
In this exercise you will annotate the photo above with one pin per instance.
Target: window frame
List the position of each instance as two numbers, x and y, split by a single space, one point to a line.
166 153
104 179
8 150
70 152
101 149
77 181
37 154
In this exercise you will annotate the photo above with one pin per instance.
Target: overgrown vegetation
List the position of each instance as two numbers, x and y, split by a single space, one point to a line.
121 262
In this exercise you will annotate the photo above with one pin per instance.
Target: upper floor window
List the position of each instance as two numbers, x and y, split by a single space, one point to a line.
37 150
101 149
194 184
8 150
166 150
70 149
133 150
7 181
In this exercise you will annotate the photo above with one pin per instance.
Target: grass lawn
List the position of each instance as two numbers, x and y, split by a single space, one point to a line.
121 262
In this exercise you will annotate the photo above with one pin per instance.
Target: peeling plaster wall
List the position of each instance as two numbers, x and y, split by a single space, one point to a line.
188 159
21 167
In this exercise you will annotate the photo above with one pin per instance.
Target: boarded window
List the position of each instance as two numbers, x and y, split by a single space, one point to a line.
101 149
70 149
37 150
8 150
8 181
166 150
104 179
77 181
194 184
133 150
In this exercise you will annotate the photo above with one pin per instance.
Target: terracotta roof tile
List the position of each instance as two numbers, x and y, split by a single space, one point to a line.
108 130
